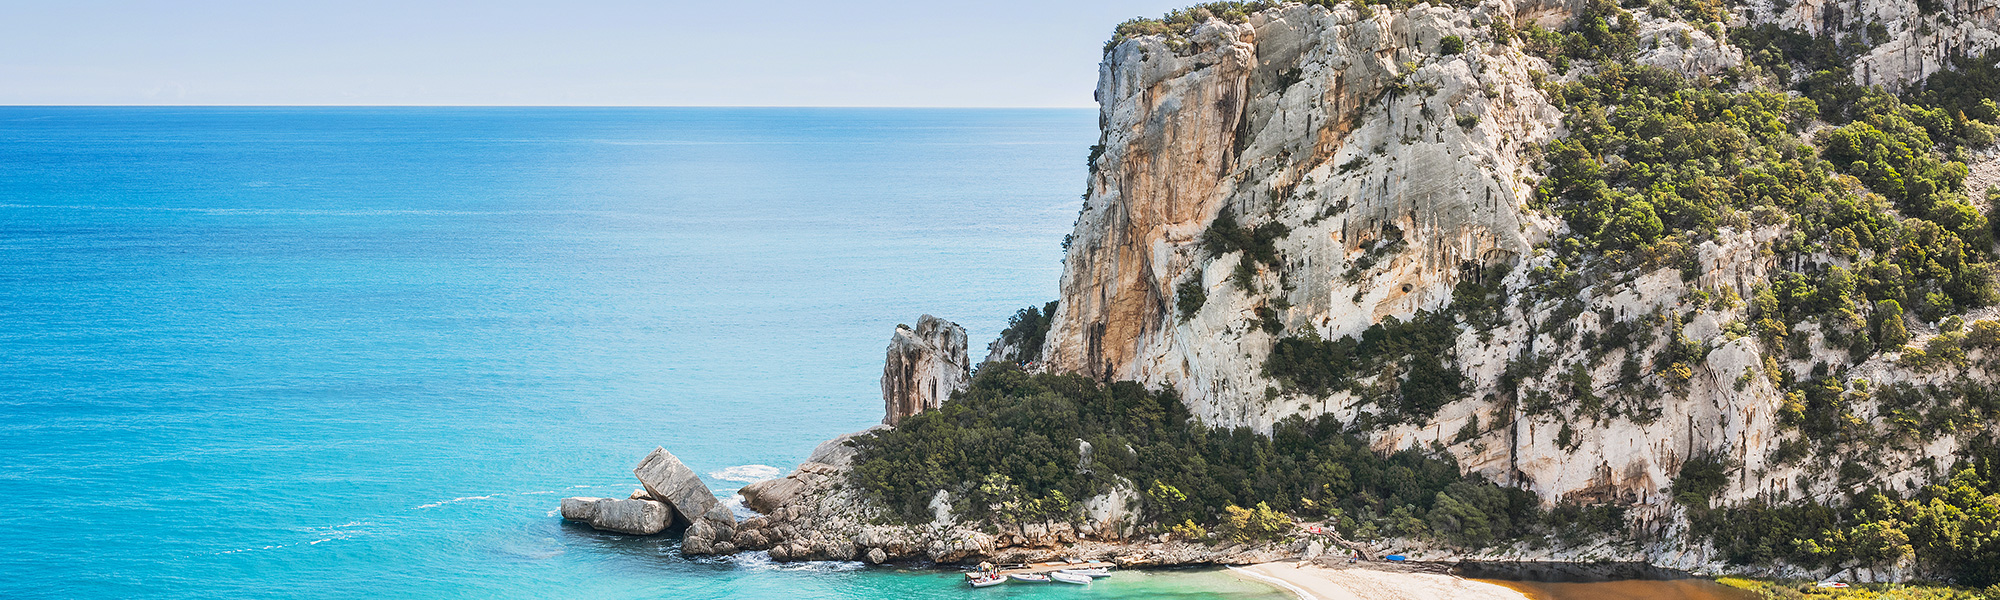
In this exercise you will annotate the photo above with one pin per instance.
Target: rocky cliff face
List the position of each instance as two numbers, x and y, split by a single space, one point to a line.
924 366
1396 169
1399 171
1916 38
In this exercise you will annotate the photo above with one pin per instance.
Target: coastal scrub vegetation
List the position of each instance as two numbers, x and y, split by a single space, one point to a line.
1012 448
1875 227
1951 527
1657 163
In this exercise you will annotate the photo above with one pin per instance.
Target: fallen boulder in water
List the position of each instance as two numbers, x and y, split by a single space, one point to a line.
636 517
711 526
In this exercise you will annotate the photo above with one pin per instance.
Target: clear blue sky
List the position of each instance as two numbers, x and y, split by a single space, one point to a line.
610 52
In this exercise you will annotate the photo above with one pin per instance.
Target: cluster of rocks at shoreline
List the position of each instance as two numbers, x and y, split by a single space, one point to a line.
673 497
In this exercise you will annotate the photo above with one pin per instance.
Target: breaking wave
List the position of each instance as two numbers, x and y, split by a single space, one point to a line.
747 473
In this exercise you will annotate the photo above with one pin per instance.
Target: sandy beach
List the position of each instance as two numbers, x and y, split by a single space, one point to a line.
1372 582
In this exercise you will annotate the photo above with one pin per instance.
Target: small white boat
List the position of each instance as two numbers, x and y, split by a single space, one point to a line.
1093 573
987 581
1070 578
1029 577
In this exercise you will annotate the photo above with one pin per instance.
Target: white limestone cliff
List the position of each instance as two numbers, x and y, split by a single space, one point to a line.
1354 132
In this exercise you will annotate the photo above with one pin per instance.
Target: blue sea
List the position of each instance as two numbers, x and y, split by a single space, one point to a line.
363 352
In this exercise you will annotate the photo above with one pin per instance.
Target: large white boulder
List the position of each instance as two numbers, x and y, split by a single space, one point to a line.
669 480
636 517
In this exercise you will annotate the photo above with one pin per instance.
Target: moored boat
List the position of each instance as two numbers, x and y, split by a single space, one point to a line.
1029 577
986 580
1093 573
1070 578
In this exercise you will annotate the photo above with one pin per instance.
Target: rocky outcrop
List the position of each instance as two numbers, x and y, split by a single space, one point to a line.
635 516
924 366
830 456
710 525
1680 46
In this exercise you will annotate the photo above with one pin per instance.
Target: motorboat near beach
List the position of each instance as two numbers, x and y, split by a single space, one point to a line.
1078 572
1071 579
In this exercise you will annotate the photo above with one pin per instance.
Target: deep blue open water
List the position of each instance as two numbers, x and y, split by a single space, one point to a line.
361 353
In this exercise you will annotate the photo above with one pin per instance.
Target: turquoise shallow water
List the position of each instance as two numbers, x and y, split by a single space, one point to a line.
360 353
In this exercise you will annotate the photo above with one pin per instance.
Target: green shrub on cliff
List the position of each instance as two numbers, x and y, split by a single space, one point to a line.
1259 244
1189 296
1450 45
1028 329
1699 479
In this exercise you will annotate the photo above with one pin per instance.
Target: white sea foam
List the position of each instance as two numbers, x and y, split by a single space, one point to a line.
761 561
747 473
736 506
457 500
270 547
